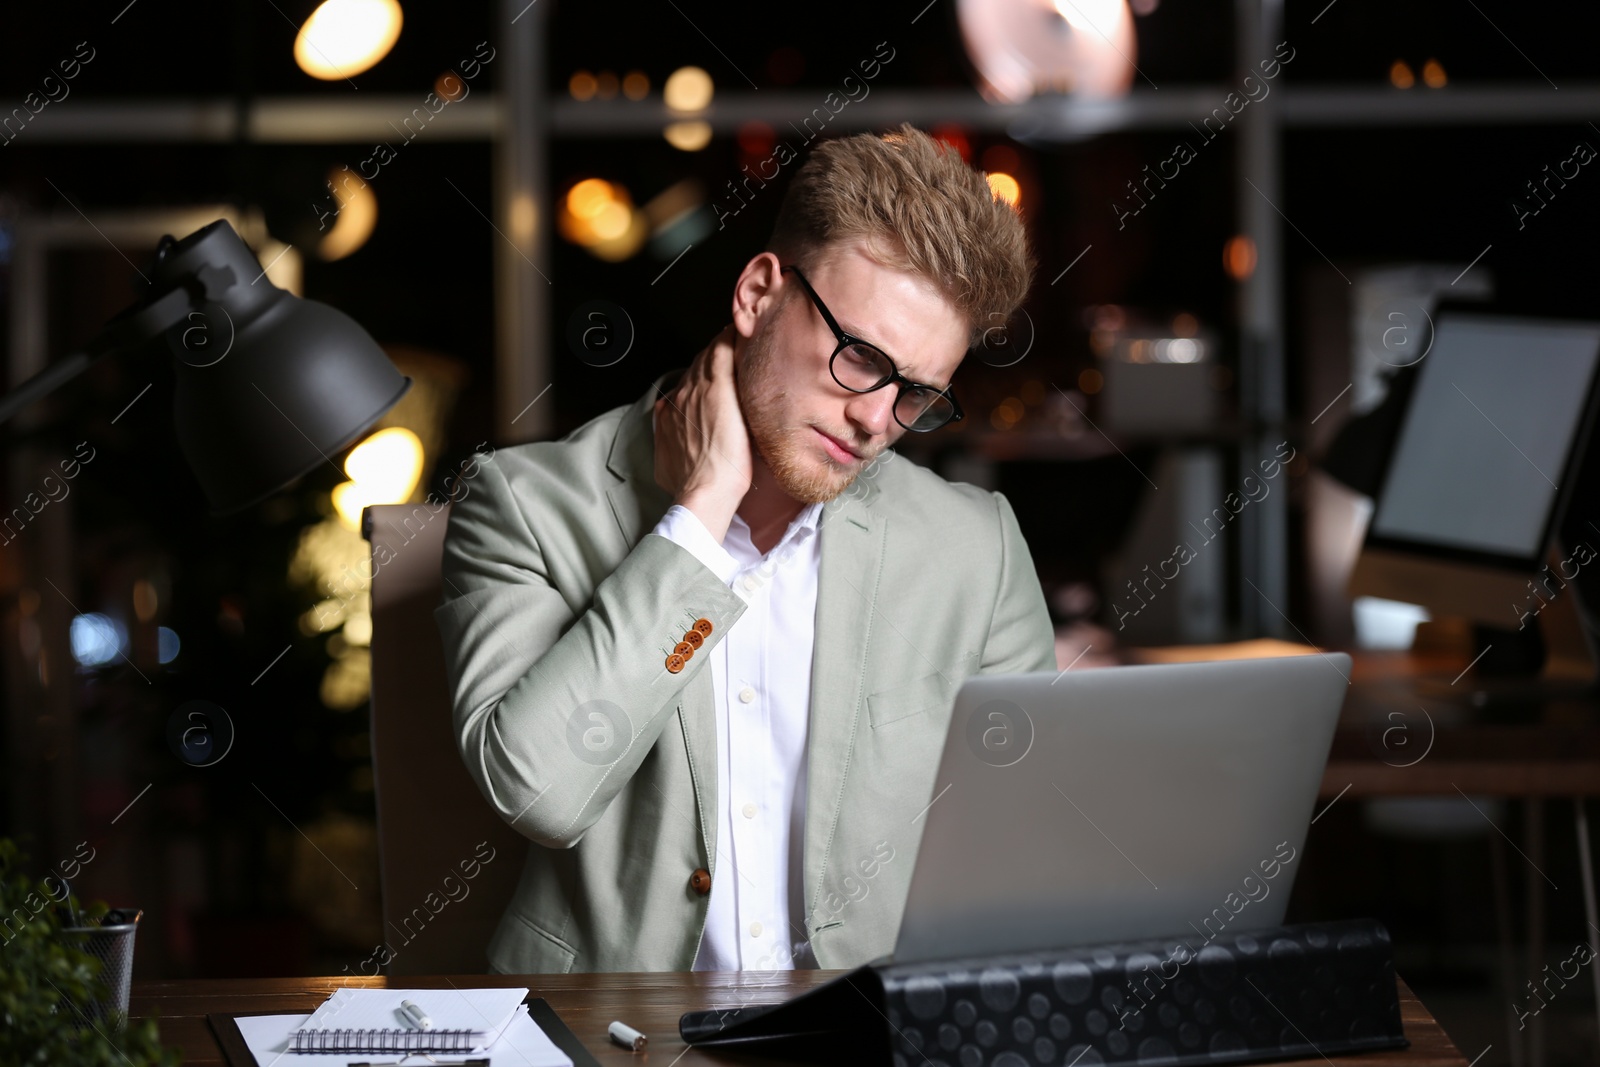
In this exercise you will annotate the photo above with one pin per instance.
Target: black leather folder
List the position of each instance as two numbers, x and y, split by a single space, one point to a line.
1287 992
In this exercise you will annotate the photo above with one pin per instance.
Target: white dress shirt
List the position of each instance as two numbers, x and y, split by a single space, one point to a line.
761 675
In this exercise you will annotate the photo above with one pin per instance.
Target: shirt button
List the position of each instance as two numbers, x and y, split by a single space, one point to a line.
755 929
749 811
746 695
748 583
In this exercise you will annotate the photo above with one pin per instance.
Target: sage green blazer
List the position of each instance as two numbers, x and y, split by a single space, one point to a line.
559 610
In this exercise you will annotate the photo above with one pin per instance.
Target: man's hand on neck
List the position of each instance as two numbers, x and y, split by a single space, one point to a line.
703 454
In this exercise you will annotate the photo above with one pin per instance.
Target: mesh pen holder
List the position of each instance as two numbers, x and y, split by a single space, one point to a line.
111 942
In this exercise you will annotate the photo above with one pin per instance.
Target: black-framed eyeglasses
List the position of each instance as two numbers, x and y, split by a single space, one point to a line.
862 367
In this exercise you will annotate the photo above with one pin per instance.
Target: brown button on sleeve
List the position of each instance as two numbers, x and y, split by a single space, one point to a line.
700 881
675 663
694 639
684 649
703 626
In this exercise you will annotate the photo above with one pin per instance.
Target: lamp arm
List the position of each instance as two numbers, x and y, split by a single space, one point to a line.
47 381
130 329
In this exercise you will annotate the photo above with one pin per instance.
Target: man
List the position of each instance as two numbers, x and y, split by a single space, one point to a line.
703 650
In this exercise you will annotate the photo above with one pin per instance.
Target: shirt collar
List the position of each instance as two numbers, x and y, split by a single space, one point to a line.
803 524
807 519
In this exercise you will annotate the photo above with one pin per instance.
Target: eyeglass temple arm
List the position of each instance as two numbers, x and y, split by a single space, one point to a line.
827 316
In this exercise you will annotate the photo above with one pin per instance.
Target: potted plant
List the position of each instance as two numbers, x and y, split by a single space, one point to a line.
49 986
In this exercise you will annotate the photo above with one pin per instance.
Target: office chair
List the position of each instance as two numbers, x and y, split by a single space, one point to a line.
431 817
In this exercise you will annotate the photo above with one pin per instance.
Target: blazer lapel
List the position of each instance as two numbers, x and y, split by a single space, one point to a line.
852 546
638 503
636 500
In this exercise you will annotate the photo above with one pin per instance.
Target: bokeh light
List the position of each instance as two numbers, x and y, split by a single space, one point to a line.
357 217
687 136
599 216
383 469
342 38
687 89
1005 187
1239 257
96 639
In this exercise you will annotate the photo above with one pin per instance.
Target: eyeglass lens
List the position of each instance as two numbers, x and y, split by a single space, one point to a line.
862 368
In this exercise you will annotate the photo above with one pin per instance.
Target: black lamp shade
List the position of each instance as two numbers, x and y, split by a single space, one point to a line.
269 385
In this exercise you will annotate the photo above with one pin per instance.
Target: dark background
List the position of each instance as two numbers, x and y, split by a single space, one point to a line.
207 852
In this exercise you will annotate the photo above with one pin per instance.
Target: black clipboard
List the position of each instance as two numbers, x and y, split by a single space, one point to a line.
237 1053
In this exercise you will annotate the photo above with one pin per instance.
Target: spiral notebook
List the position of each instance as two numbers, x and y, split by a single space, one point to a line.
532 1035
370 1020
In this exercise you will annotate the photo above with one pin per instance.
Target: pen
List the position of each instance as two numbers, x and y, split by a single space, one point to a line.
627 1036
416 1015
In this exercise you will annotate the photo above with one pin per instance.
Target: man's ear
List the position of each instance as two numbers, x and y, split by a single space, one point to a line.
756 292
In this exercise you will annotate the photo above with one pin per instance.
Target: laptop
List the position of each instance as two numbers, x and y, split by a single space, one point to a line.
1120 803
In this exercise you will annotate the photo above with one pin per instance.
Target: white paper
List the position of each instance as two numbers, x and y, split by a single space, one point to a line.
522 1044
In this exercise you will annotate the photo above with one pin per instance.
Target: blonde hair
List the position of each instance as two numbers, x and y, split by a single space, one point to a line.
919 208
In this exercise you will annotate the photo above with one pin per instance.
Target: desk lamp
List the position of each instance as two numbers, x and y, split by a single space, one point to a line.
268 384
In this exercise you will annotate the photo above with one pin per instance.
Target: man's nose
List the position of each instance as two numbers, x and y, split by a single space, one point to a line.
873 412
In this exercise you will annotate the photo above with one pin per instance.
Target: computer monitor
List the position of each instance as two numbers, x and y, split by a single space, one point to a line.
1493 438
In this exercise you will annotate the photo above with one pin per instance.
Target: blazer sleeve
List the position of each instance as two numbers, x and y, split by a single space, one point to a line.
555 706
1021 637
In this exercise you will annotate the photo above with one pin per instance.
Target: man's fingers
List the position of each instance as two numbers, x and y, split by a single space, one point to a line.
705 360
722 355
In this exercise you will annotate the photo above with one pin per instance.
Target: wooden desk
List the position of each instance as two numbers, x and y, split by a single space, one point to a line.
1451 734
650 1002
1410 727
1442 744
1417 724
